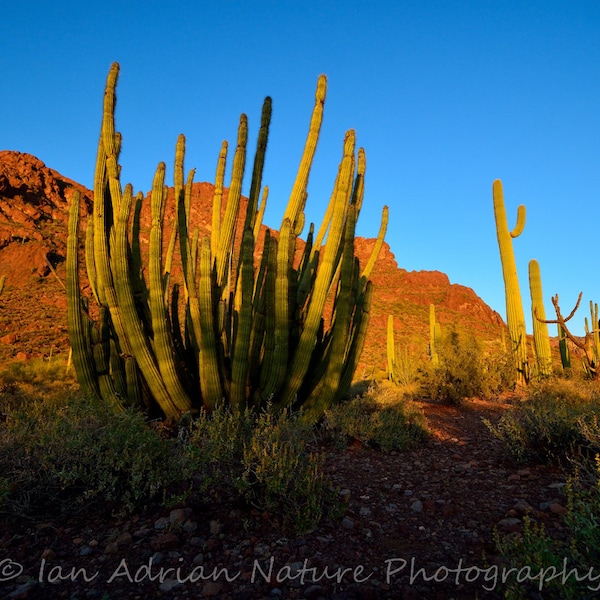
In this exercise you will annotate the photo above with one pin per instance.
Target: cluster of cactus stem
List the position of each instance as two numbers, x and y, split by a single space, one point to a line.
590 345
515 316
234 332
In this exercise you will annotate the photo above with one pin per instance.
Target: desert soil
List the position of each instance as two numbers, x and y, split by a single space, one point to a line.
412 520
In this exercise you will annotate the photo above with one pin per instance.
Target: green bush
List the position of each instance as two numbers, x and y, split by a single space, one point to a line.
379 418
465 370
265 458
61 455
577 554
558 421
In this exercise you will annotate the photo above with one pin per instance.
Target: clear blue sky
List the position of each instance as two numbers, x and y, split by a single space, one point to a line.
445 96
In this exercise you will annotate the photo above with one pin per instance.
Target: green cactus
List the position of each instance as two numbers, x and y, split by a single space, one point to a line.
541 338
515 316
241 333
391 349
593 338
435 334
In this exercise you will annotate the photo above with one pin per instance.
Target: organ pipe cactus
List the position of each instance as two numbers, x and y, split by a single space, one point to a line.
540 328
515 316
244 331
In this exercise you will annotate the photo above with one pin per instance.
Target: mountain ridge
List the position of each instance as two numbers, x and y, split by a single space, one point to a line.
34 201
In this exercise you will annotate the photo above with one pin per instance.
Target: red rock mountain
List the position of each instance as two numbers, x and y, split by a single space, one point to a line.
34 202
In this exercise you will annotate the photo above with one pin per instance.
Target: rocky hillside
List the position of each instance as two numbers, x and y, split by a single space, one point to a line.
34 203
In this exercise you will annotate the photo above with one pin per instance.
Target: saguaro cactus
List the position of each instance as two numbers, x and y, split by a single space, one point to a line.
515 316
540 328
246 333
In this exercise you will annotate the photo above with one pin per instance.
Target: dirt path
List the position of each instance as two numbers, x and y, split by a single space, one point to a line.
413 518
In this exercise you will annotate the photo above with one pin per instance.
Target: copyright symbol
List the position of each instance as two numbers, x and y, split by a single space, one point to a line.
9 569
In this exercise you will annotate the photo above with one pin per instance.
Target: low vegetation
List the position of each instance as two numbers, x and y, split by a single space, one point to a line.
379 418
464 369
557 422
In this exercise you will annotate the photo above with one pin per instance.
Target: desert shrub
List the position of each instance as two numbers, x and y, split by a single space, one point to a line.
557 421
67 454
380 418
265 458
37 371
464 370
576 554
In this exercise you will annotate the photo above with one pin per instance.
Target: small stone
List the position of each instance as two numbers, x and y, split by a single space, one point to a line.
168 585
557 509
429 505
365 511
509 524
514 477
162 523
522 507
524 472
347 523
312 592
48 554
124 539
165 541
211 589
215 527
85 551
111 548
179 516
416 506
190 526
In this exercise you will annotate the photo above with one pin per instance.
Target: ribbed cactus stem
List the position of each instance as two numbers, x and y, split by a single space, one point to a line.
231 211
434 335
541 338
325 272
391 349
298 196
514 307
82 357
163 345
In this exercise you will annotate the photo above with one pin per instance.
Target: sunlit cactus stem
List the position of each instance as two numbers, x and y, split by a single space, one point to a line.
391 349
541 338
515 316
435 334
